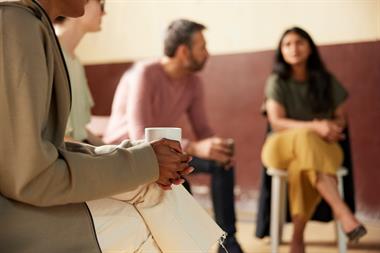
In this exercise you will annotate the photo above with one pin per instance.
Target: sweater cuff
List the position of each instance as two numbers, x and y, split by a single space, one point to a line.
145 160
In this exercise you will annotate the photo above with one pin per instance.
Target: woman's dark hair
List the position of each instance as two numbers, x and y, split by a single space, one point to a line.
319 90
180 32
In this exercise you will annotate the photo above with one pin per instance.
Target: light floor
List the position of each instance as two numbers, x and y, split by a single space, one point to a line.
320 238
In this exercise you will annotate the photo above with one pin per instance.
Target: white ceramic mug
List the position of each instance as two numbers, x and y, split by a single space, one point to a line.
156 133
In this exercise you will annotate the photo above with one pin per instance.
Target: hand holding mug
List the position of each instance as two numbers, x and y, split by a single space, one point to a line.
173 163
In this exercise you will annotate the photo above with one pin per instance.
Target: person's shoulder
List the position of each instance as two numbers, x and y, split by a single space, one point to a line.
22 23
147 66
144 68
334 79
273 77
339 92
275 88
336 84
139 74
23 27
20 15
273 80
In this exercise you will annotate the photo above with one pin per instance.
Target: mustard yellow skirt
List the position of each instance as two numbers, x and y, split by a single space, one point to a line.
303 154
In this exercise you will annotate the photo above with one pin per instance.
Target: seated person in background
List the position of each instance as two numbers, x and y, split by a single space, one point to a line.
158 94
305 108
70 32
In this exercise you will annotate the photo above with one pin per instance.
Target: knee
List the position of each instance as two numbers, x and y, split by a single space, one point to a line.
270 154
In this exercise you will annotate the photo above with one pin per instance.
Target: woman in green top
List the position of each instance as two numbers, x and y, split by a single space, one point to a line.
305 108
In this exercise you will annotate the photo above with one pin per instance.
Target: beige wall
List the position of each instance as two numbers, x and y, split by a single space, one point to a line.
132 29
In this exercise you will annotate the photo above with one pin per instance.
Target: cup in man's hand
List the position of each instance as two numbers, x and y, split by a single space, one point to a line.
231 146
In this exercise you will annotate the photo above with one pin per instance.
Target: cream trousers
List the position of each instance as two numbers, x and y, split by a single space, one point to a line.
120 228
151 220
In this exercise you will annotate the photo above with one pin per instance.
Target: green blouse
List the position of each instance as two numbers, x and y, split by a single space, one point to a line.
292 95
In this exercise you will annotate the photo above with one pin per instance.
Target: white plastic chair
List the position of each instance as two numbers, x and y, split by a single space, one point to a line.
278 208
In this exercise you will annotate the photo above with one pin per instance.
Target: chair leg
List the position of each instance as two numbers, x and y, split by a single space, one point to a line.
283 207
275 213
342 240
278 209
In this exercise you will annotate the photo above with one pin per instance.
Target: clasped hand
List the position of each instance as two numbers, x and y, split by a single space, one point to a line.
216 149
173 163
329 130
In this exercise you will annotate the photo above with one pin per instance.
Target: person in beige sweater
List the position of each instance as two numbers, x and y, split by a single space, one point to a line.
44 182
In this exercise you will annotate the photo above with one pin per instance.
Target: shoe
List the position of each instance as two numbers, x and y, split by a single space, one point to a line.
357 233
231 245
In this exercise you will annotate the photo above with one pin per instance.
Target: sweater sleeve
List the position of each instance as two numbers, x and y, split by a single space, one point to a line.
32 168
139 103
339 93
273 90
197 112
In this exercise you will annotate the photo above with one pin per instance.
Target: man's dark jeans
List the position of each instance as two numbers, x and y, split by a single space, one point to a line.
222 192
